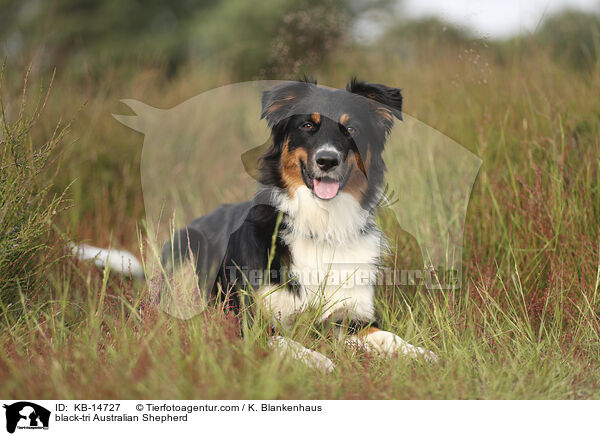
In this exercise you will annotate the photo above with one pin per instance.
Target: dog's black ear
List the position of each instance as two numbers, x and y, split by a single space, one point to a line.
278 102
387 101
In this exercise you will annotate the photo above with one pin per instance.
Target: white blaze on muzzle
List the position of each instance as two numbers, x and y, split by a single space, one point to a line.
326 158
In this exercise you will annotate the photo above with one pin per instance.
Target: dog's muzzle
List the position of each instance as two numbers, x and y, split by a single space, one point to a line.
325 173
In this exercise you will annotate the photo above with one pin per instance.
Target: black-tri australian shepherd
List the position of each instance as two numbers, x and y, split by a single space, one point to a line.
311 226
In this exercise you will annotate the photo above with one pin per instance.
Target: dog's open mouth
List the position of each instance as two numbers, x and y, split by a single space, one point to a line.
323 187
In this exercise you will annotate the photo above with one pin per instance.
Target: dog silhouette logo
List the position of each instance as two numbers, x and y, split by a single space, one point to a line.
26 415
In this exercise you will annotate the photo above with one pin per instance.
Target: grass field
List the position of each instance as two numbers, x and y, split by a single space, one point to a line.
525 324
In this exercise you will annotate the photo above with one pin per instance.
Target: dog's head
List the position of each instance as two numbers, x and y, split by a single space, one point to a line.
329 140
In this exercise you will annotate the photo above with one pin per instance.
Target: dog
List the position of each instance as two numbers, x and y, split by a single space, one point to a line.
322 178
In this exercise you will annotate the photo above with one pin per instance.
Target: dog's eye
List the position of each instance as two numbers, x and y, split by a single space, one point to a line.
308 126
352 130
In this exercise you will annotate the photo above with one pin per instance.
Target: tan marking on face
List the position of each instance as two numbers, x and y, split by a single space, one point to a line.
316 117
291 172
344 119
357 183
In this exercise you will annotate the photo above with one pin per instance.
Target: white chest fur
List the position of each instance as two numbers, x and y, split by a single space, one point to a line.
331 258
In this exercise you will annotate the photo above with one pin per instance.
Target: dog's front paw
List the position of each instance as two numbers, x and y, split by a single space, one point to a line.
318 361
418 352
314 359
387 343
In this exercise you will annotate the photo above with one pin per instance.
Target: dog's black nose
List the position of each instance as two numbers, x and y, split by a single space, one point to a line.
327 159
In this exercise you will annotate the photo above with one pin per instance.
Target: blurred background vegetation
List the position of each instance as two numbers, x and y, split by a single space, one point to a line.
254 39
267 39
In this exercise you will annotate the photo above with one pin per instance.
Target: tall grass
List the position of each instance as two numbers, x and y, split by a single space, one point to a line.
28 205
525 324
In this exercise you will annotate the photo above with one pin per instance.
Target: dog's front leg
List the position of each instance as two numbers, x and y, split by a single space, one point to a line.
387 343
289 347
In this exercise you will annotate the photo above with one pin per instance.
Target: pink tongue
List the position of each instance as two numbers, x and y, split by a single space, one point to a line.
326 190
